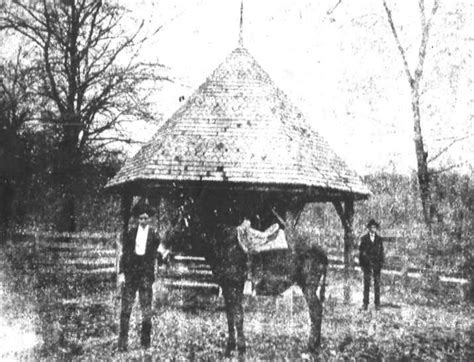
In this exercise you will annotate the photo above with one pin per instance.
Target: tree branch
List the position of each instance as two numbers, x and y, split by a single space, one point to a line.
399 44
49 72
126 140
444 169
330 11
89 69
446 148
425 32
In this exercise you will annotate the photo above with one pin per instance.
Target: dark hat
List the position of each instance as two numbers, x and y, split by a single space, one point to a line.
373 222
142 207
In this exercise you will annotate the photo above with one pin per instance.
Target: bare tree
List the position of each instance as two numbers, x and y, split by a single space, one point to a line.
91 76
414 78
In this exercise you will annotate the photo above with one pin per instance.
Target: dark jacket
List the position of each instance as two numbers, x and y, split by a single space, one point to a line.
371 254
132 263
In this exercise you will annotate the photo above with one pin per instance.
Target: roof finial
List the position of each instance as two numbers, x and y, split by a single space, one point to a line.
241 35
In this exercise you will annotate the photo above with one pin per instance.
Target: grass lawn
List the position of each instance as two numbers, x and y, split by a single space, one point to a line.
411 325
76 318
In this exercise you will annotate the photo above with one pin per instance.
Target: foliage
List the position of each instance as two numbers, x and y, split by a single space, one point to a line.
38 203
395 204
16 109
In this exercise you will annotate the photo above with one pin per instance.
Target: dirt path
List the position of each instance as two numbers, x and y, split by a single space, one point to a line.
17 319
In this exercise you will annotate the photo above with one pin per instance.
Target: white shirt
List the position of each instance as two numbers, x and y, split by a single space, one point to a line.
372 237
140 241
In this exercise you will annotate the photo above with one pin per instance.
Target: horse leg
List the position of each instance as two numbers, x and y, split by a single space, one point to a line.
315 314
233 296
239 317
229 309
309 284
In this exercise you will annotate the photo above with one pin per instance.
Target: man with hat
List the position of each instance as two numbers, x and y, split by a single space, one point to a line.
137 273
371 258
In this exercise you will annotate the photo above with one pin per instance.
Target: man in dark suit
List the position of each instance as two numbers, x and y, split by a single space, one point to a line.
137 273
371 259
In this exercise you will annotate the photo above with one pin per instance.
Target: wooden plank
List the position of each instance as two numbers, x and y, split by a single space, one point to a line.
411 274
185 258
59 247
188 284
67 235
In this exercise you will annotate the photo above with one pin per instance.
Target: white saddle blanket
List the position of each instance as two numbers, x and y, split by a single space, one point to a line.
254 241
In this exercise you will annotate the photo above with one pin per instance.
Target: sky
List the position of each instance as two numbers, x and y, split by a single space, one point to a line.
339 66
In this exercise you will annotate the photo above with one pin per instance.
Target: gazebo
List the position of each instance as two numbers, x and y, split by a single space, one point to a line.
239 133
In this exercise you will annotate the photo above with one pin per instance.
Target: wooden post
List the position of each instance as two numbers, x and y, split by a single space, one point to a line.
36 245
118 252
348 247
118 289
346 214
292 212
126 204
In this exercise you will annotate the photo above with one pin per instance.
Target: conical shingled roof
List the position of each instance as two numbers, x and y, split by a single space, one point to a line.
239 128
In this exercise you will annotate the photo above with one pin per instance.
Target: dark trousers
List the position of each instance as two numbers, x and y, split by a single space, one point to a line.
143 284
368 272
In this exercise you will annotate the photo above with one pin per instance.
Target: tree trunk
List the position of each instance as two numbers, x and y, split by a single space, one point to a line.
346 214
6 203
66 218
69 171
125 206
348 248
414 79
10 158
67 187
68 179
422 162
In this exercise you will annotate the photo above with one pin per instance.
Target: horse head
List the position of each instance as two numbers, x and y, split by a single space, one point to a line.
179 223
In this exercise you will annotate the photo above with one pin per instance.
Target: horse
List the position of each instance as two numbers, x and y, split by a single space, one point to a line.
304 264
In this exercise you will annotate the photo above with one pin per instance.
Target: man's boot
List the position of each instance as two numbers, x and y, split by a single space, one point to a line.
146 334
122 344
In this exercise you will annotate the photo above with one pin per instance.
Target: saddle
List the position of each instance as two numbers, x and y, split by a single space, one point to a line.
261 248
255 241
